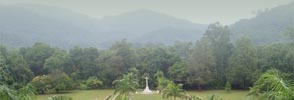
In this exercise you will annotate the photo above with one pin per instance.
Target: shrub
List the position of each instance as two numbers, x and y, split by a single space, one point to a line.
93 83
83 86
228 86
42 83
61 82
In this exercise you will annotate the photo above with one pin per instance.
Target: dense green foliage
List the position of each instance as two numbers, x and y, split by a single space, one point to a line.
91 83
14 69
209 63
243 69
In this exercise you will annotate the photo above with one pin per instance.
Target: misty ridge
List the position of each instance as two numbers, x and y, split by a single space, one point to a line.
24 24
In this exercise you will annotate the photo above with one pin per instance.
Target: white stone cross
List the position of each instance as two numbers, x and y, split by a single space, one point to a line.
146 81
147 90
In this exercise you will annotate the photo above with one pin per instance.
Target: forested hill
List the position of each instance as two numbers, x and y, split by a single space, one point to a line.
268 26
23 25
148 26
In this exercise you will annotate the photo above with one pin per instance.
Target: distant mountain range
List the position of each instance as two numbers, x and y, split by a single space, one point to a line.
23 25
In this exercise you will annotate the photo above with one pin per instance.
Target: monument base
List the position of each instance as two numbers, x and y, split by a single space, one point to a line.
147 91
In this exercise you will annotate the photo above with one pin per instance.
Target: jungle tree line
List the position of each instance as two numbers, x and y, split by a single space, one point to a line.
209 63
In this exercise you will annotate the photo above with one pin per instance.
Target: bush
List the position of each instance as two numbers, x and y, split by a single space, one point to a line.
91 83
83 86
42 83
55 82
228 86
61 82
94 83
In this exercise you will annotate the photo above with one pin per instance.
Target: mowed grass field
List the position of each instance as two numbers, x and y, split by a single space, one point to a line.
100 94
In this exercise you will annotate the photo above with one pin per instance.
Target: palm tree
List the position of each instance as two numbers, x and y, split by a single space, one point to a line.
7 93
173 91
27 93
270 86
125 86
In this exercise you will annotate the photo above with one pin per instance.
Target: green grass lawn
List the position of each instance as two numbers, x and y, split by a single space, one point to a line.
100 94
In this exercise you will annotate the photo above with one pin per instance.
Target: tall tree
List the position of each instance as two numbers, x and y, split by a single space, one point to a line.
19 69
58 61
202 65
14 69
116 61
279 56
183 49
36 56
155 59
83 62
179 72
124 50
218 38
243 64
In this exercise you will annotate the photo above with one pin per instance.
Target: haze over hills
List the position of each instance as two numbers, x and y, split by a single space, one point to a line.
23 25
156 26
268 26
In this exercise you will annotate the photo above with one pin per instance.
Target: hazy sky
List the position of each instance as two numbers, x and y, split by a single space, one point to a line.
197 11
